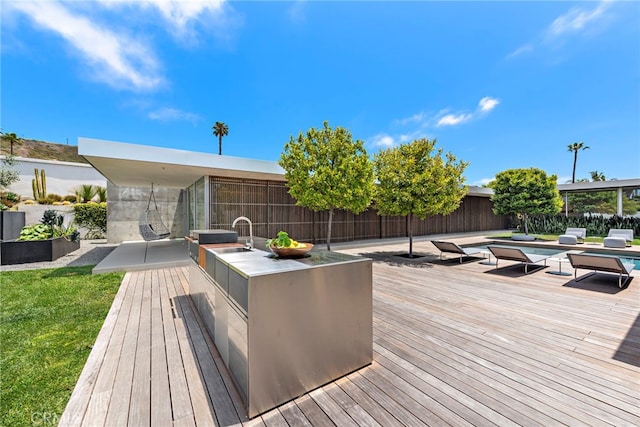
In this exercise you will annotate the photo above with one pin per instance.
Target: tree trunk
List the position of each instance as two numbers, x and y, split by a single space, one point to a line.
526 225
329 229
575 160
410 227
220 145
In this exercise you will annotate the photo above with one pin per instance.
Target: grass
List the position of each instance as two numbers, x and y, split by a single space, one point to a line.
49 320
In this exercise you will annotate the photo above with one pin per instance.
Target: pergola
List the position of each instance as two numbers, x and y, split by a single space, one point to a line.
614 185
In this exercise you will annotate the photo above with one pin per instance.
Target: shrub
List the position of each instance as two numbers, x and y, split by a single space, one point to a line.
44 201
51 225
596 225
29 202
93 217
85 193
12 197
55 197
70 198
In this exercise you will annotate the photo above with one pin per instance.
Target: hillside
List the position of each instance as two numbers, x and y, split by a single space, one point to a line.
43 150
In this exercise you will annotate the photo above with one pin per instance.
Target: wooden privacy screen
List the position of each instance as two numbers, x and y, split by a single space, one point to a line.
271 209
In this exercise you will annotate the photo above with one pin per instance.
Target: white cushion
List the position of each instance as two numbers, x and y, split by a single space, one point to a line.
615 242
568 239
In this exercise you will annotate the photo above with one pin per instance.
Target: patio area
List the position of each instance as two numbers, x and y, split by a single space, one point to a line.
454 344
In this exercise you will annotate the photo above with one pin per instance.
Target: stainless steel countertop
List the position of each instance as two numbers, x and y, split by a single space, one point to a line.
258 262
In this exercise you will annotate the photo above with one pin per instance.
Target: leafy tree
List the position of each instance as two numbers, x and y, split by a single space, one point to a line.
575 147
8 175
326 170
415 180
525 192
220 129
12 138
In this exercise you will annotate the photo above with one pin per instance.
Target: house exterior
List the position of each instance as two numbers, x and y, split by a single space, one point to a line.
208 191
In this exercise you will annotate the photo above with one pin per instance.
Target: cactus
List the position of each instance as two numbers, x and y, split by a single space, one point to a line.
39 184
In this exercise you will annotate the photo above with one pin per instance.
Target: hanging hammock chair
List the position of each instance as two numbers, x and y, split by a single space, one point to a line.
151 225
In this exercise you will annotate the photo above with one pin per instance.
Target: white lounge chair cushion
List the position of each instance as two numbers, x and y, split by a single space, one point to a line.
568 239
615 242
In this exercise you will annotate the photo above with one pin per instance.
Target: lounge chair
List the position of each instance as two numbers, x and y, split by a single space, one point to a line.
515 254
573 236
609 264
453 248
618 238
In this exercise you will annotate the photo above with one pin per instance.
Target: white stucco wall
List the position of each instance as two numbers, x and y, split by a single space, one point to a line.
62 177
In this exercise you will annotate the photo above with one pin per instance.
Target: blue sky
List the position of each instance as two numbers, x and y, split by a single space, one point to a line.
499 84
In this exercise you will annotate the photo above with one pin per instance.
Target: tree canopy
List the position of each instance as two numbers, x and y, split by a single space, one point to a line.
416 180
525 192
220 129
8 173
326 170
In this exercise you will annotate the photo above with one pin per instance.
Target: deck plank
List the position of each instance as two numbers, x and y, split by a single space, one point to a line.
160 388
454 344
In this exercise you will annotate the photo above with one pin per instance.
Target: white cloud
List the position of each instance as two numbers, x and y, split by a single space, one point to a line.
487 103
521 50
416 118
181 16
172 114
114 58
454 119
576 19
115 51
382 140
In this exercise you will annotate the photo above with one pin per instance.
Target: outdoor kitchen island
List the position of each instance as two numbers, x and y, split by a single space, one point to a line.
283 326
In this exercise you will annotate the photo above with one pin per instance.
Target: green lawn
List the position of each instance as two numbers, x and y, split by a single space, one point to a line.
49 320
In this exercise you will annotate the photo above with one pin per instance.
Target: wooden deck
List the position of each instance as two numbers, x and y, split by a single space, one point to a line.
453 345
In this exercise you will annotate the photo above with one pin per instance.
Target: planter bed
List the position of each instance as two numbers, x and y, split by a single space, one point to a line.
20 252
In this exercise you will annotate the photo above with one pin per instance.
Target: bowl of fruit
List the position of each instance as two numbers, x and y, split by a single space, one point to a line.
284 246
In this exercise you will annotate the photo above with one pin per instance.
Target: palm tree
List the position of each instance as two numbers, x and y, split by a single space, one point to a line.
597 176
575 147
220 129
12 138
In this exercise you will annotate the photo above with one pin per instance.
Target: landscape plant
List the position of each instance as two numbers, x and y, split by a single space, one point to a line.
12 138
51 226
49 321
417 180
39 186
93 217
85 193
525 192
101 192
220 129
8 175
575 147
326 170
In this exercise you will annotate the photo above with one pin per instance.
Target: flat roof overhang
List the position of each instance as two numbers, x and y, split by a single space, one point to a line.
136 165
625 184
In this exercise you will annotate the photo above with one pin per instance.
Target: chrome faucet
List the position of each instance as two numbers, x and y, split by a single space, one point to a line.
248 243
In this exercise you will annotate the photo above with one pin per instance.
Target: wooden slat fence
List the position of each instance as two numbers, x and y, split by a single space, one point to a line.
272 209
